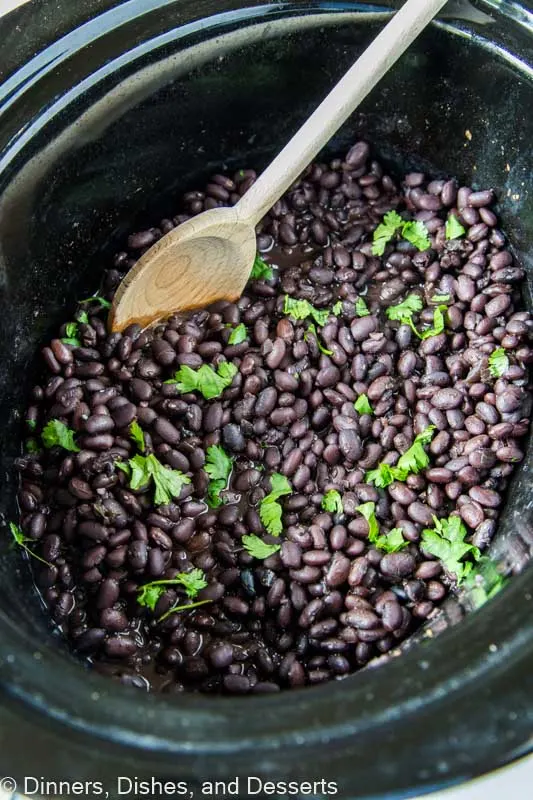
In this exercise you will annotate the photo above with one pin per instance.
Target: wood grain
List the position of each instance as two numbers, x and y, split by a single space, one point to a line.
210 256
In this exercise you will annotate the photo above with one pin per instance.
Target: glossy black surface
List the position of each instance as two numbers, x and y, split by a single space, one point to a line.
106 127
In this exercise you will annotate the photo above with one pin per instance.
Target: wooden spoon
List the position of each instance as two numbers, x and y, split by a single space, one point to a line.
209 257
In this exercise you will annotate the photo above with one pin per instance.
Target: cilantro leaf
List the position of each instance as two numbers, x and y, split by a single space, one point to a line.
361 308
301 309
71 334
205 380
415 458
446 541
238 334
312 329
440 298
257 548
96 298
385 231
32 424
403 312
193 582
337 308
362 405
218 466
71 330
454 229
20 540
392 541
32 446
332 502
411 462
484 582
57 433
383 476
137 434
438 324
269 509
368 510
168 482
417 233
83 317
498 362
261 270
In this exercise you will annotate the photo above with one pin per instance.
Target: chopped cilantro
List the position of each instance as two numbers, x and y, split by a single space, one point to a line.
446 541
361 308
261 270
498 362
392 541
137 435
218 466
368 510
385 231
21 540
403 312
484 582
362 405
337 308
257 548
311 329
96 298
411 462
302 309
57 433
205 380
332 502
454 229
270 510
238 334
417 234
168 482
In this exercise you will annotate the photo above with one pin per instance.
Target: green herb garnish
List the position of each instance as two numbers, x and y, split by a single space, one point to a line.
257 548
417 234
368 510
218 466
205 380
269 509
454 229
498 362
337 308
21 540
413 231
238 334
385 231
392 541
413 461
446 541
302 309
362 405
193 582
57 433
261 270
361 308
403 312
332 502
311 329
168 482
71 337
96 298
137 435
484 582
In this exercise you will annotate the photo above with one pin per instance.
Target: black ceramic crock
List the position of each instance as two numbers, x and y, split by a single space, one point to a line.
107 111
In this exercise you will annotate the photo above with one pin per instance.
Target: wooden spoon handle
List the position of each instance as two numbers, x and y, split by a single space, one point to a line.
335 109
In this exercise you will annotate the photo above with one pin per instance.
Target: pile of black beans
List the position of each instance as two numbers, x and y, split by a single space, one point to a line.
328 602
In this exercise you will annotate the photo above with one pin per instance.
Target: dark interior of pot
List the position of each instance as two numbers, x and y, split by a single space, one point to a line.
115 147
